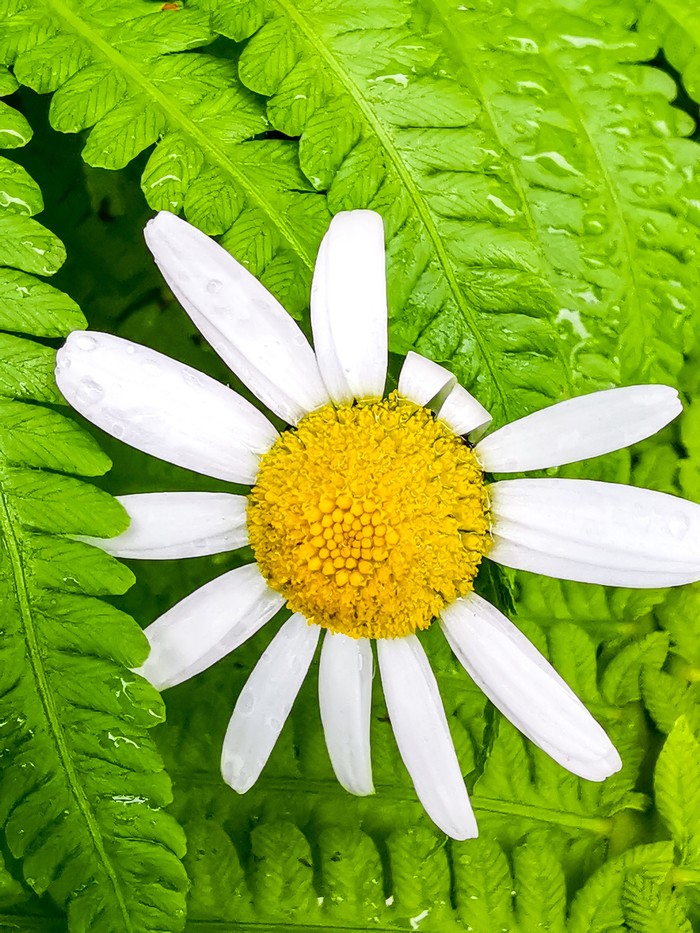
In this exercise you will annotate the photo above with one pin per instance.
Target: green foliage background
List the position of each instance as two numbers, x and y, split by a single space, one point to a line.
535 166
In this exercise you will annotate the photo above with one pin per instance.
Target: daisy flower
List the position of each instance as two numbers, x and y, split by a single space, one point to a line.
369 516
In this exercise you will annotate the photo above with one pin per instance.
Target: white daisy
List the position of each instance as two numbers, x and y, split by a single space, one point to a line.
369 516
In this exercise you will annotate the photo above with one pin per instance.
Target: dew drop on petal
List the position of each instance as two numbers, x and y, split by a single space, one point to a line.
86 342
88 392
150 366
246 704
679 527
191 377
213 286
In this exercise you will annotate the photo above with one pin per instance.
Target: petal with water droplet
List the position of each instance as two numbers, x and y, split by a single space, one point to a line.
349 308
266 701
244 323
162 407
593 532
423 736
207 625
578 428
345 699
168 525
526 688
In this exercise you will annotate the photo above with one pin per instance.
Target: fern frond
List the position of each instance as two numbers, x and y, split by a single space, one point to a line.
675 27
604 902
677 786
519 200
82 785
124 69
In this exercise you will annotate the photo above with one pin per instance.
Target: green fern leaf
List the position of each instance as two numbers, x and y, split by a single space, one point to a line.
677 786
650 907
483 887
490 216
667 697
675 27
120 70
540 885
14 129
82 788
598 907
621 681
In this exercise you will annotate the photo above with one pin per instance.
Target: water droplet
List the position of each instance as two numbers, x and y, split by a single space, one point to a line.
274 723
88 392
191 377
131 349
214 286
679 526
118 429
595 223
246 703
85 342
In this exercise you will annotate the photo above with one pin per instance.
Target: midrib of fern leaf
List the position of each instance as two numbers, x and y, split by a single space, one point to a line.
82 785
452 267
122 70
626 267
604 209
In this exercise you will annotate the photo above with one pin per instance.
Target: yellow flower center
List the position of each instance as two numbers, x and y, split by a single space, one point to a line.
369 518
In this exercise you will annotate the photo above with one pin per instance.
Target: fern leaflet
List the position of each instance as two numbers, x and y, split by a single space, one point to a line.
83 786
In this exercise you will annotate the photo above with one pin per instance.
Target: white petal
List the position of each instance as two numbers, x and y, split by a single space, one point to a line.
162 407
421 379
244 323
461 412
266 701
345 699
423 736
526 688
348 307
595 532
168 525
207 625
582 427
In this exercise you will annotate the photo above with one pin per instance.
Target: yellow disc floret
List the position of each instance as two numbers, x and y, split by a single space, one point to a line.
369 518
